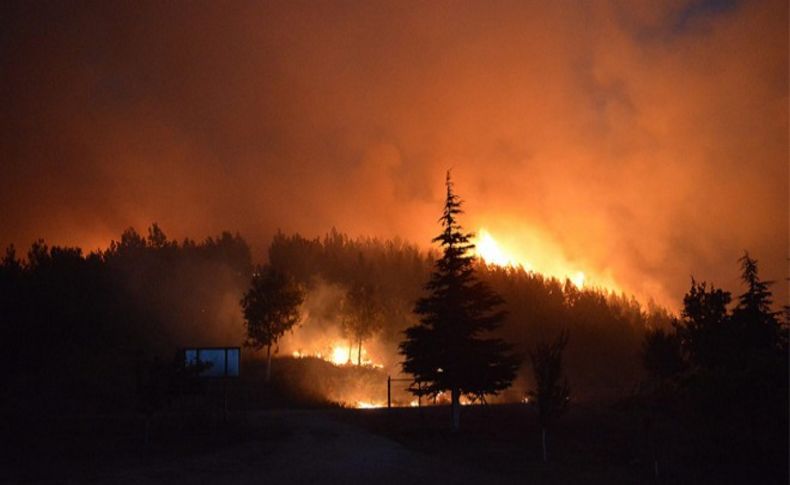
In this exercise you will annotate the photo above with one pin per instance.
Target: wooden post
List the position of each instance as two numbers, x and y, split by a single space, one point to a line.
389 392
543 439
225 399
225 390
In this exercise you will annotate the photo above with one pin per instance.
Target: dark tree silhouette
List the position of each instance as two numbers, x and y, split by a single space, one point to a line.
271 308
73 322
714 338
704 326
757 326
445 350
157 238
362 316
662 358
662 355
551 392
730 390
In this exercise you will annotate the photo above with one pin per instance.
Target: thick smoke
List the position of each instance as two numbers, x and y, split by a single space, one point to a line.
638 142
319 336
320 333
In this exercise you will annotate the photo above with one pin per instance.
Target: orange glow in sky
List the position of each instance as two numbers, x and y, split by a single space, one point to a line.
614 143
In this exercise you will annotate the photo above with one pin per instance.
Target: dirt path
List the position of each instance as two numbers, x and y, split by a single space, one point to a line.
315 449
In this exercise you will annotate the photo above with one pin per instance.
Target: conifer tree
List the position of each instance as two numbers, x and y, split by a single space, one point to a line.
756 324
446 350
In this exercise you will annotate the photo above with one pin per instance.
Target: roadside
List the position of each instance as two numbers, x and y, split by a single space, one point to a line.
272 447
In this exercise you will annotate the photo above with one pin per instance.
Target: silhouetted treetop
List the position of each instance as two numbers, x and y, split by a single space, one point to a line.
446 350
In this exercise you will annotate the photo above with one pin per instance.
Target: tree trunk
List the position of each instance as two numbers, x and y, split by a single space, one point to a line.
359 353
147 430
456 407
350 349
543 437
268 363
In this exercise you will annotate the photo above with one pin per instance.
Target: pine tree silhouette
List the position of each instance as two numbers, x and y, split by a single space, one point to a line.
445 350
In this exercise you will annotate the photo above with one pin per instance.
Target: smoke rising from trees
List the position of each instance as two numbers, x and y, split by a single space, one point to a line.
635 140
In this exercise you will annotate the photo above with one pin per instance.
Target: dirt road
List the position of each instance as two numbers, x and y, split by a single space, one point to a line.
315 448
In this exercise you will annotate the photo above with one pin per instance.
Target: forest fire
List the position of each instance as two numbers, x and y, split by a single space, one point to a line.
339 354
469 242
488 248
492 252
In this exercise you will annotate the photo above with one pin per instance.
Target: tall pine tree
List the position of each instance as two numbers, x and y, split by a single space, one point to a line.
757 325
446 350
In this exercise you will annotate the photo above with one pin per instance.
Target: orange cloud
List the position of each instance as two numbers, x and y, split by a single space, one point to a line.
637 141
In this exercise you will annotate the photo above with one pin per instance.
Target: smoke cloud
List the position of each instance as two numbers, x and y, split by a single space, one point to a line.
639 142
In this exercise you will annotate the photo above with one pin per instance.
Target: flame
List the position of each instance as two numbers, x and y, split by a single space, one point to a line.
492 252
578 279
488 249
369 405
338 354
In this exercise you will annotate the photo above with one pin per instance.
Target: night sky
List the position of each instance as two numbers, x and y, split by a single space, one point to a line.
639 142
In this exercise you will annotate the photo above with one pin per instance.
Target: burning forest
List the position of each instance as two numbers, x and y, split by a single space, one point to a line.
342 319
387 242
187 294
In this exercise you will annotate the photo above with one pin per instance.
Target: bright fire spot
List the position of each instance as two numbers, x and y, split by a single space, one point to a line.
414 403
578 279
368 405
340 355
488 249
492 252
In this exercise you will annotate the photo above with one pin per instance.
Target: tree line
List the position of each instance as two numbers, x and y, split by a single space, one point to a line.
77 324
78 329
